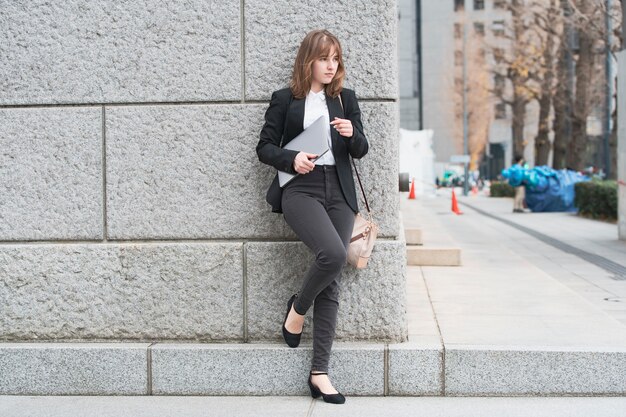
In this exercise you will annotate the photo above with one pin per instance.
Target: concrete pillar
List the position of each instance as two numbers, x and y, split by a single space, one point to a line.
132 202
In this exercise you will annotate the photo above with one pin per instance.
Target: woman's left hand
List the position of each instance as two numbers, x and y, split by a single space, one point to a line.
343 126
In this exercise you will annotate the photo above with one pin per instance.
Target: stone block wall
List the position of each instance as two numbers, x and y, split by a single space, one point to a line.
132 202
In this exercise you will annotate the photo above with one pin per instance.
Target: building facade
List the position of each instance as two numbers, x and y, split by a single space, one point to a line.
484 22
409 65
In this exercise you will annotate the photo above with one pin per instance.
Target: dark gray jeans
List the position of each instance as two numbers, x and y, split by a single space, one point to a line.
315 208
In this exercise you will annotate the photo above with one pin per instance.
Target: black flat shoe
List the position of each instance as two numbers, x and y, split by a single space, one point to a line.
328 398
292 339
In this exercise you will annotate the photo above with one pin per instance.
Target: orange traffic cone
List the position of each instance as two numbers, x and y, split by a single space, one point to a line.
455 204
412 192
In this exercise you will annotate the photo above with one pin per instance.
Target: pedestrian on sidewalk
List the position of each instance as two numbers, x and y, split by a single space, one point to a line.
520 190
319 204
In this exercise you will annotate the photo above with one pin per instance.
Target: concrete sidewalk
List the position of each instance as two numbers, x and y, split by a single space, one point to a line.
306 407
583 254
514 289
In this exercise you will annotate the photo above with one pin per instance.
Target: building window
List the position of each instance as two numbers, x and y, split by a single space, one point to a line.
498 28
498 55
500 111
499 4
479 28
459 5
458 58
479 4
458 30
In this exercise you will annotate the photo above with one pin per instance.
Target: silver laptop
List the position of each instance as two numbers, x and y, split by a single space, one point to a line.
311 140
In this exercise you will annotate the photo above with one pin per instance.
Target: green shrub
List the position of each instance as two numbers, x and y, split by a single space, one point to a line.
596 199
501 189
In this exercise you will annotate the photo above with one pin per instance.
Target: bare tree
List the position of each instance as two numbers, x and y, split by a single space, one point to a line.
582 102
588 18
575 28
479 107
564 91
518 63
548 24
555 55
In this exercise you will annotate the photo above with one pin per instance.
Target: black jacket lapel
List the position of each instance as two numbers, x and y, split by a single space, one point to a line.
295 118
334 110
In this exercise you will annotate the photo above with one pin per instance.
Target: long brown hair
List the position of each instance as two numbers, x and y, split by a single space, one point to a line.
316 44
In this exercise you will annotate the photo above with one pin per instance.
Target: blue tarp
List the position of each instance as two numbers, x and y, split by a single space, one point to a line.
547 189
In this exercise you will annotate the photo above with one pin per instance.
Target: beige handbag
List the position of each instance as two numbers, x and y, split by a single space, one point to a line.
363 234
364 231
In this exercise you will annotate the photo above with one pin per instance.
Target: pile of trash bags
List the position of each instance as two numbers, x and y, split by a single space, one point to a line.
547 189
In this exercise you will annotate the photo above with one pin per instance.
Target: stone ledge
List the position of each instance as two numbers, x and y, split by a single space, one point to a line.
416 368
73 369
262 369
413 236
427 256
413 368
207 369
502 371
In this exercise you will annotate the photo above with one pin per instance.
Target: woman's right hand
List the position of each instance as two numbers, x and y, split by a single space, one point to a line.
301 163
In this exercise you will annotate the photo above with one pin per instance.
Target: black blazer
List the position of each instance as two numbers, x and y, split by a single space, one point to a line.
284 119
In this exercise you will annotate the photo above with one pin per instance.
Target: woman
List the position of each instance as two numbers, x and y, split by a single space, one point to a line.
320 203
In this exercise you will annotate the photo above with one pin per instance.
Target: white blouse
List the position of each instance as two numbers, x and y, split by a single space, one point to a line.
314 107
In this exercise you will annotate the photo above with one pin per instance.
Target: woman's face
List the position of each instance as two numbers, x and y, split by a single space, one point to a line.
325 68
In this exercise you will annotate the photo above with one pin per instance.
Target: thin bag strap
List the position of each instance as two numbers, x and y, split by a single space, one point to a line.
355 170
360 185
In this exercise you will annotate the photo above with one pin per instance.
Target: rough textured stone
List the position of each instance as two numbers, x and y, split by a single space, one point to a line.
244 369
73 369
358 368
621 143
261 369
372 304
379 168
50 173
482 371
121 291
184 172
366 30
86 52
415 369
